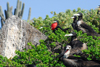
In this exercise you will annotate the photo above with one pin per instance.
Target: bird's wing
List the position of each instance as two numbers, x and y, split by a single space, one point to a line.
76 50
84 25
59 27
66 29
63 29
73 25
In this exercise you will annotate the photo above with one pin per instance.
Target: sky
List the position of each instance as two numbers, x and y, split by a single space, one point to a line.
41 8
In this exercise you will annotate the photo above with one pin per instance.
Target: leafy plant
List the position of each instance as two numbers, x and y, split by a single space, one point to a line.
41 56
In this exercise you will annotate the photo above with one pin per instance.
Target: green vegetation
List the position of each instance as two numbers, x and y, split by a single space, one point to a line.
90 17
41 56
37 55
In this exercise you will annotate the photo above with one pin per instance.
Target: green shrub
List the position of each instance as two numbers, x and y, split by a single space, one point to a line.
37 55
41 56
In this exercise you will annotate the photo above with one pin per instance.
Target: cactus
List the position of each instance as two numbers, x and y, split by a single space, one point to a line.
18 12
22 10
1 14
5 14
2 22
29 14
9 11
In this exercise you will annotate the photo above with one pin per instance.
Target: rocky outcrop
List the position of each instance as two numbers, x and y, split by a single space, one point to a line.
15 34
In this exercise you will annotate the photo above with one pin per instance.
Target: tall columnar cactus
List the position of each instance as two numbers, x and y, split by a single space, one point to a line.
22 10
8 10
18 11
2 22
29 14
8 13
1 14
20 6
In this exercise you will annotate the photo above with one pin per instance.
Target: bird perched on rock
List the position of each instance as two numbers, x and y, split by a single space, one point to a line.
55 26
84 27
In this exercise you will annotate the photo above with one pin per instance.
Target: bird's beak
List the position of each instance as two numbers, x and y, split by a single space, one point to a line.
69 34
54 21
76 14
72 17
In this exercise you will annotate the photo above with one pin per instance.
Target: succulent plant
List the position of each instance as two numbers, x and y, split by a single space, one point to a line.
18 12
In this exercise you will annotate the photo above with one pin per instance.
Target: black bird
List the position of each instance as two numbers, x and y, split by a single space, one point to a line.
98 12
74 24
66 58
55 27
75 43
71 61
84 27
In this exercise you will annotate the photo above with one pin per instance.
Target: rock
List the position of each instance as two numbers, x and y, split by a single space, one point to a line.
15 34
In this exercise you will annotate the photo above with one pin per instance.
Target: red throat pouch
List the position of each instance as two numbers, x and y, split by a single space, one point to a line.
66 50
54 25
